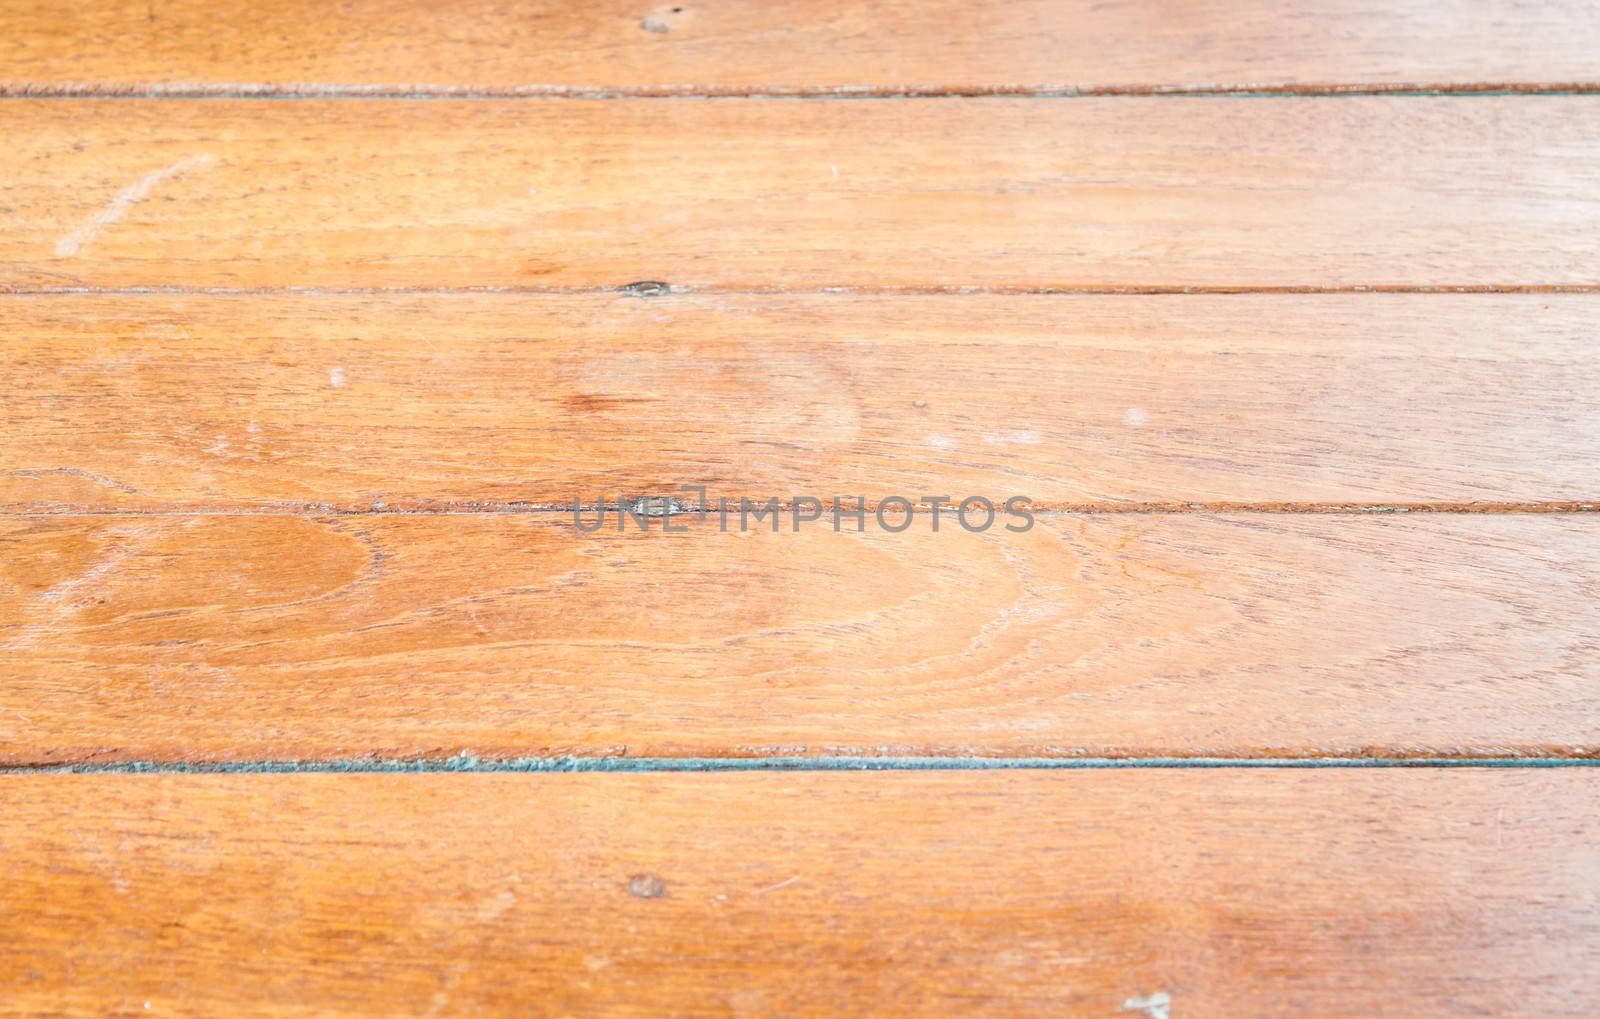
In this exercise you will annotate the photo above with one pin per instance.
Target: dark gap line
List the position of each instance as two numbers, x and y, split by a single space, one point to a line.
653 290
313 91
639 765
947 512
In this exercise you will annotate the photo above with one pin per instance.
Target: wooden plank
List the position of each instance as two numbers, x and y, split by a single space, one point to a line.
787 46
154 402
775 194
1414 894
172 637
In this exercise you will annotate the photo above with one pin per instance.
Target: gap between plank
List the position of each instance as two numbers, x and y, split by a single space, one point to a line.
649 289
474 765
309 90
399 508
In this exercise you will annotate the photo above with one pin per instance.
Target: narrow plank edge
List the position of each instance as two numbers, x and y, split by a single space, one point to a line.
917 47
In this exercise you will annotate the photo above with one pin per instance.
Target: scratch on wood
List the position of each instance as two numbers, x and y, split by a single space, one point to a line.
136 192
781 884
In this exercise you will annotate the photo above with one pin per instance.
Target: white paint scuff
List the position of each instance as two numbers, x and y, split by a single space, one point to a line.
126 198
1156 1006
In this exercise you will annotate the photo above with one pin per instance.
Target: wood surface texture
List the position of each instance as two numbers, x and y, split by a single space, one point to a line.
174 637
158 402
784 195
790 46
1282 317
1410 894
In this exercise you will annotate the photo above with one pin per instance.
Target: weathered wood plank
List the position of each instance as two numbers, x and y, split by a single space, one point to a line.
172 637
1415 894
774 194
808 46
154 402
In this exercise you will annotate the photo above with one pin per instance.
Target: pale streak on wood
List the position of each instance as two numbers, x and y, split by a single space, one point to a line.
136 192
1397 191
808 46
1414 894
290 638
156 402
1155 1006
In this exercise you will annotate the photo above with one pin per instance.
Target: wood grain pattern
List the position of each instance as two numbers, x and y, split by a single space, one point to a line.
1415 894
294 391
285 637
776 194
155 402
806 46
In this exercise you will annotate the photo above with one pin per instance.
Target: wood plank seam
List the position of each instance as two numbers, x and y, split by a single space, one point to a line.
919 290
310 90
512 509
652 765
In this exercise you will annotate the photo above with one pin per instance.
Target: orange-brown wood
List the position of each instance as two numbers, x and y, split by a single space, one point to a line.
155 402
295 393
779 194
1414 894
173 637
811 46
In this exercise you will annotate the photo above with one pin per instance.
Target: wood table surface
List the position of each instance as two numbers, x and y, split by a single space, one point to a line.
487 499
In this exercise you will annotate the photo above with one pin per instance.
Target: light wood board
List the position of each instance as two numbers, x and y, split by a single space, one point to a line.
1415 894
177 637
791 195
466 401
